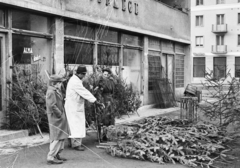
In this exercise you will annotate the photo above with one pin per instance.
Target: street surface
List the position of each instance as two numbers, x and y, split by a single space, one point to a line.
92 157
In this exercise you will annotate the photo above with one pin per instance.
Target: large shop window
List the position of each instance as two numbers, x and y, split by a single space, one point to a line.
32 51
154 68
179 71
78 53
79 29
32 22
108 55
132 67
199 67
237 67
219 65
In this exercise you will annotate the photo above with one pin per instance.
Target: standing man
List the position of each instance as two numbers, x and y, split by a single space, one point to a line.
75 95
58 126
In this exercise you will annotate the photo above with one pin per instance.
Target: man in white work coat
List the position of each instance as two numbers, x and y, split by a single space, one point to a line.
76 93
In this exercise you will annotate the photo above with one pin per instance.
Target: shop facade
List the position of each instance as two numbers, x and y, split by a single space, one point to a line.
141 40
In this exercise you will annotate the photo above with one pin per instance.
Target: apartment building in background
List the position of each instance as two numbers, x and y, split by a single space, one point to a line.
215 38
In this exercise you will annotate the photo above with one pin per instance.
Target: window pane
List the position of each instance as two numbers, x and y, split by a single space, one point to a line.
108 55
219 67
239 18
179 71
78 53
131 40
238 39
26 48
198 66
28 21
154 68
108 35
78 29
237 66
1 18
132 68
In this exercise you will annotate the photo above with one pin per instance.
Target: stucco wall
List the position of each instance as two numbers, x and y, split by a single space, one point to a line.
152 16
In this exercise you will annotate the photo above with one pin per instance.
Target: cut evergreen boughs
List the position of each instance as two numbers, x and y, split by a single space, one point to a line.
164 140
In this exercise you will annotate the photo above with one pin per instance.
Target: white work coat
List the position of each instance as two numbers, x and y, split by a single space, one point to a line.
74 106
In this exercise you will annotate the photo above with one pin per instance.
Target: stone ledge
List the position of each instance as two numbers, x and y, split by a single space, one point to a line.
6 135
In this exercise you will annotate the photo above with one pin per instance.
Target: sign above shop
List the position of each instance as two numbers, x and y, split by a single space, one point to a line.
199 54
129 6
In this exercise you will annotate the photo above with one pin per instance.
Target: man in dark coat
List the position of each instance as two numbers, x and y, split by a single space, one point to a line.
58 125
106 87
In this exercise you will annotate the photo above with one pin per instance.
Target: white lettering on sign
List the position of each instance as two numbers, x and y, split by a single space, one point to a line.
130 5
27 50
36 58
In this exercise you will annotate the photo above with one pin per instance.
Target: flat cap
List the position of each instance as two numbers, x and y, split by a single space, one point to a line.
56 78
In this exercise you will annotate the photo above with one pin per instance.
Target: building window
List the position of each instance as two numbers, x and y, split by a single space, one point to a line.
78 29
239 40
132 67
154 68
31 41
199 67
199 41
199 20
108 35
220 39
237 67
219 65
2 20
220 19
220 1
238 18
78 53
32 22
199 2
108 55
179 71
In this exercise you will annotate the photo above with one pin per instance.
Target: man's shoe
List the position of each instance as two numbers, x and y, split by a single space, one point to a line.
58 157
79 148
54 161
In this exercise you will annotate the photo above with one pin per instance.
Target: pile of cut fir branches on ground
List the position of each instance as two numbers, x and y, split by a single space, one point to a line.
164 140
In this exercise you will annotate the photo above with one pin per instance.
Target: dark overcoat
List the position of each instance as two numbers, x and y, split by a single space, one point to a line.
58 124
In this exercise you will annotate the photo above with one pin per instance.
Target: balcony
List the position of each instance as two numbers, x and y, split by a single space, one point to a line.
219 29
219 49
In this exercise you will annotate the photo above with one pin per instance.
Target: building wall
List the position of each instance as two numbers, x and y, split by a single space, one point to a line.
209 11
153 19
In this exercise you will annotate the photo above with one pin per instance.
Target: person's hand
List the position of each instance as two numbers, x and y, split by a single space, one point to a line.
101 105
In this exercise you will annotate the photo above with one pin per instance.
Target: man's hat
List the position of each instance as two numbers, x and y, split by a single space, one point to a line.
56 78
81 69
107 70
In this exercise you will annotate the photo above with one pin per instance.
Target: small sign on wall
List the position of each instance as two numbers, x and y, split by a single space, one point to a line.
27 50
36 58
